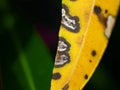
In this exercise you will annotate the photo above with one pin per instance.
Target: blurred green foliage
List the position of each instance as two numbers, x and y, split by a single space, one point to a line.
25 60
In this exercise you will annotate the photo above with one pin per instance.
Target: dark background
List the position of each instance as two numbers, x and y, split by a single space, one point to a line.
45 15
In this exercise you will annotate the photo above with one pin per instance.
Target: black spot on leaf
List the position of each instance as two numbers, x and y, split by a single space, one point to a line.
56 76
86 76
93 53
97 10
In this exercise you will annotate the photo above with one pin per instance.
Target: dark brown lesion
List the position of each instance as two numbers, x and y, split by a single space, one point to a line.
69 22
62 56
66 87
61 59
97 10
93 53
56 76
86 76
63 45
101 17
106 11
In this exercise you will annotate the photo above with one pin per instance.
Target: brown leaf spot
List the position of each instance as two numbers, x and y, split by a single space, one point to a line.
56 76
90 61
93 53
97 10
86 76
65 87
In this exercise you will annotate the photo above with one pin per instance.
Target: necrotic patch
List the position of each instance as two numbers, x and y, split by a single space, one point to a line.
56 76
69 22
63 45
62 59
110 25
62 56
108 22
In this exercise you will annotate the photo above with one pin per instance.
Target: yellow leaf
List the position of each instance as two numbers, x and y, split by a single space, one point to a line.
86 27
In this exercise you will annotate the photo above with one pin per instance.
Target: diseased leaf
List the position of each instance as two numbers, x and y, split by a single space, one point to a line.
86 27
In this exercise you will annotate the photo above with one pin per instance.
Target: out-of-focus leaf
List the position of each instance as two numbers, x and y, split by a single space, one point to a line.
8 21
3 4
0 79
25 61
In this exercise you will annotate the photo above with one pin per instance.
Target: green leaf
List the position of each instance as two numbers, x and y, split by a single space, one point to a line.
25 60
